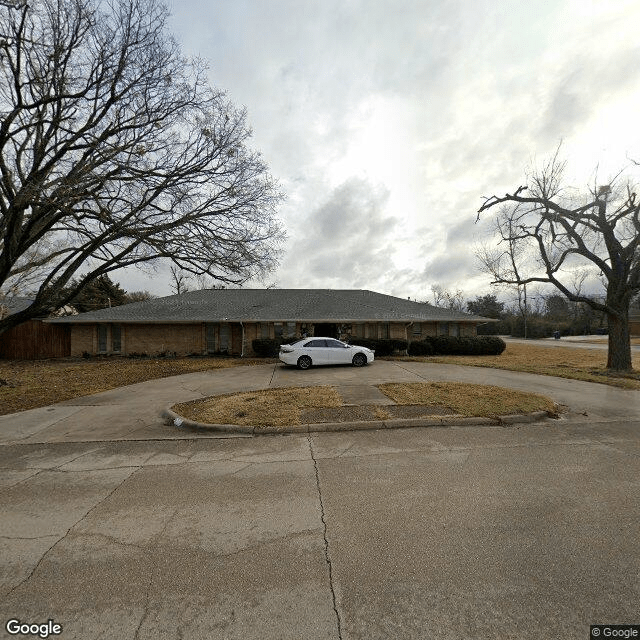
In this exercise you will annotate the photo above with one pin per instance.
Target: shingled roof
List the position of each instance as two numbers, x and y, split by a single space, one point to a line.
268 305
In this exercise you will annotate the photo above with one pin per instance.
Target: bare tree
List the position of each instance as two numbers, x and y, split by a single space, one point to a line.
512 260
564 235
115 151
447 299
179 281
139 296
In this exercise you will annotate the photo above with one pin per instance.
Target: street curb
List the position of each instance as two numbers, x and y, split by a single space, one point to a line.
172 418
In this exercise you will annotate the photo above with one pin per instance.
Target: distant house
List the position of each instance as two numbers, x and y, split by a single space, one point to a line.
228 320
634 323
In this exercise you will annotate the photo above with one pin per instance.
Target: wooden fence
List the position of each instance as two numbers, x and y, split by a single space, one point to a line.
35 340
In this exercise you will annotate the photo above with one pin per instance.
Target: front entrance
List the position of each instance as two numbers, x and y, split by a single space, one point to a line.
325 330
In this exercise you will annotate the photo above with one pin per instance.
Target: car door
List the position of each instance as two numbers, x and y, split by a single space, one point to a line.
317 350
338 352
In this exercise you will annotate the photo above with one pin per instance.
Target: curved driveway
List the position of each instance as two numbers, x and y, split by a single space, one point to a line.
133 412
115 525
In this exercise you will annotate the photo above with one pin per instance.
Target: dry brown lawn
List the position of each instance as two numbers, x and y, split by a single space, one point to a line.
32 384
467 399
265 408
284 407
564 362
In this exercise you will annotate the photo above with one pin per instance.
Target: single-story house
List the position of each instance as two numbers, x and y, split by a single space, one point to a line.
213 321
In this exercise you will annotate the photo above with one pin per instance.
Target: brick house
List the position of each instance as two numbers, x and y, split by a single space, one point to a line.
228 320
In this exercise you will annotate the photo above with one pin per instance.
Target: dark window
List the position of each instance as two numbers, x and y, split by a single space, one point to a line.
443 328
116 340
335 344
211 338
225 338
102 338
357 330
277 329
417 328
384 330
316 343
264 329
291 329
454 329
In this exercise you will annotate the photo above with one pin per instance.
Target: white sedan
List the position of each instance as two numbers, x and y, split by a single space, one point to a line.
314 351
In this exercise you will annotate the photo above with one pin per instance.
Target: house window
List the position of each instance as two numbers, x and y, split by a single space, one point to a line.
384 330
417 329
291 329
225 338
357 330
454 329
277 330
116 338
211 338
264 329
102 338
443 328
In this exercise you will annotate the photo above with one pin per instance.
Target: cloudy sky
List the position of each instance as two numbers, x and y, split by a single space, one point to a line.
386 121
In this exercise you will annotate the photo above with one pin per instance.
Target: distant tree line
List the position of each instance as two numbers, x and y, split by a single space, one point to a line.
540 318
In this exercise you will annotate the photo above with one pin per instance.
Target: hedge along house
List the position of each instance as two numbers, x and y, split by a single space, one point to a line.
226 321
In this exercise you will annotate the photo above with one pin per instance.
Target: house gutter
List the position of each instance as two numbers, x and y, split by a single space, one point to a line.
406 336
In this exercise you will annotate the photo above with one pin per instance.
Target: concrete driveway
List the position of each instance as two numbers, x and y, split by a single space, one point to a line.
117 526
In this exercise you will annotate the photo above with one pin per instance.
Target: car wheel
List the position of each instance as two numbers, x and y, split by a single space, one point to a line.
359 360
304 362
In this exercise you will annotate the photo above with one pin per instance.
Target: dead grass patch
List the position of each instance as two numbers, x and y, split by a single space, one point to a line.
264 408
289 405
467 399
565 362
38 383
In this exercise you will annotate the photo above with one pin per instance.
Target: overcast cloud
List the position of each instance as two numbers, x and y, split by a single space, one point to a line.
387 121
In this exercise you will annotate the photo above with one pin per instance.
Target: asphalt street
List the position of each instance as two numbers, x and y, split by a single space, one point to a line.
115 525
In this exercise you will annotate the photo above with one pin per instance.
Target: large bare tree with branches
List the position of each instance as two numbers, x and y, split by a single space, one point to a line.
116 151
561 234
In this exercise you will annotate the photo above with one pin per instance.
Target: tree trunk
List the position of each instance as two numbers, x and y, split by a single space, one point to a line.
619 358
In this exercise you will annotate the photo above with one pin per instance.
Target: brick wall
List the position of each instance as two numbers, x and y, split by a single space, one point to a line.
83 339
185 339
468 330
152 339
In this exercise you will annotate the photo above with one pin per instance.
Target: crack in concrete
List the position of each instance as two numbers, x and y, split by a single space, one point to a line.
27 538
275 366
327 555
35 433
192 390
152 548
48 551
17 482
346 450
86 453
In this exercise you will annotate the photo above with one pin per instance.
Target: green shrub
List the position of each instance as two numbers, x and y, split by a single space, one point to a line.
459 346
266 347
399 345
493 346
382 347
420 348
